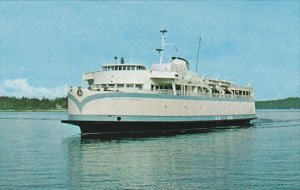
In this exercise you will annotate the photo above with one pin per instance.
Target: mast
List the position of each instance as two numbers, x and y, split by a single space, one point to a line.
198 53
161 49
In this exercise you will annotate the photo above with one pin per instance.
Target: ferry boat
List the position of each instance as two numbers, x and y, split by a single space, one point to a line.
127 97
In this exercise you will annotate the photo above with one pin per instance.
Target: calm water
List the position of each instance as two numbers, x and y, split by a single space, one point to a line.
37 151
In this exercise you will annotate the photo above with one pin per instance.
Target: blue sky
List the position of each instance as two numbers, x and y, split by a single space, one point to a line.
46 46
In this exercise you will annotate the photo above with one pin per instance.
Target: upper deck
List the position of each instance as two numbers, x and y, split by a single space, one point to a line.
162 79
173 78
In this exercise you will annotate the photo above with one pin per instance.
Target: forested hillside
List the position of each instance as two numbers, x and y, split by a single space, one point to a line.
288 103
33 104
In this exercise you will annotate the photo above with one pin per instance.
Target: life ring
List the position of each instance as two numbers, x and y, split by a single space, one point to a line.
79 92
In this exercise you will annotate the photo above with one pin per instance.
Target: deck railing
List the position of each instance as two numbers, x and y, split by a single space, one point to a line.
178 93
202 94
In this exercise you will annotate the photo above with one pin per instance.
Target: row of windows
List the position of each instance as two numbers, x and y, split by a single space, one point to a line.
138 86
123 68
238 92
161 87
178 87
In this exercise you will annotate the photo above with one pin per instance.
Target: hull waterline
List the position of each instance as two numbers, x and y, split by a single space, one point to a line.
111 127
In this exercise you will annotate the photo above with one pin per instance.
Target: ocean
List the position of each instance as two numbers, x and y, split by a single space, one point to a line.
39 152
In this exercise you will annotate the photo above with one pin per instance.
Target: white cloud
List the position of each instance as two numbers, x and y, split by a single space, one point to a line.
21 87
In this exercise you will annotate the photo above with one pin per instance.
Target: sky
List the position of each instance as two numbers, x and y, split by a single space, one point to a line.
45 47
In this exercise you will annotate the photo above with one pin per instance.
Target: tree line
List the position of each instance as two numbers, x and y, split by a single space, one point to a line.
288 103
24 103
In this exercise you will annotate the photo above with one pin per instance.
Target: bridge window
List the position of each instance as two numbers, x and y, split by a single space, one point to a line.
123 68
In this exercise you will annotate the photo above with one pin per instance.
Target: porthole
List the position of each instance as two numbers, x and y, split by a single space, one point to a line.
119 118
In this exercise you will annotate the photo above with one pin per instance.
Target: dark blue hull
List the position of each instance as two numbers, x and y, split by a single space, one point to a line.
100 127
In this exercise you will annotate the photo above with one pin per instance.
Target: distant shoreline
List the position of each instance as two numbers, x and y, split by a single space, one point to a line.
287 103
33 110
25 104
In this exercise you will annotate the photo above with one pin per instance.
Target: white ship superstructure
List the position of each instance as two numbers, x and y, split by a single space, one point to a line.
168 96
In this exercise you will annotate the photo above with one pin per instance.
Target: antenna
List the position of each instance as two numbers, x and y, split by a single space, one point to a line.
198 53
161 49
